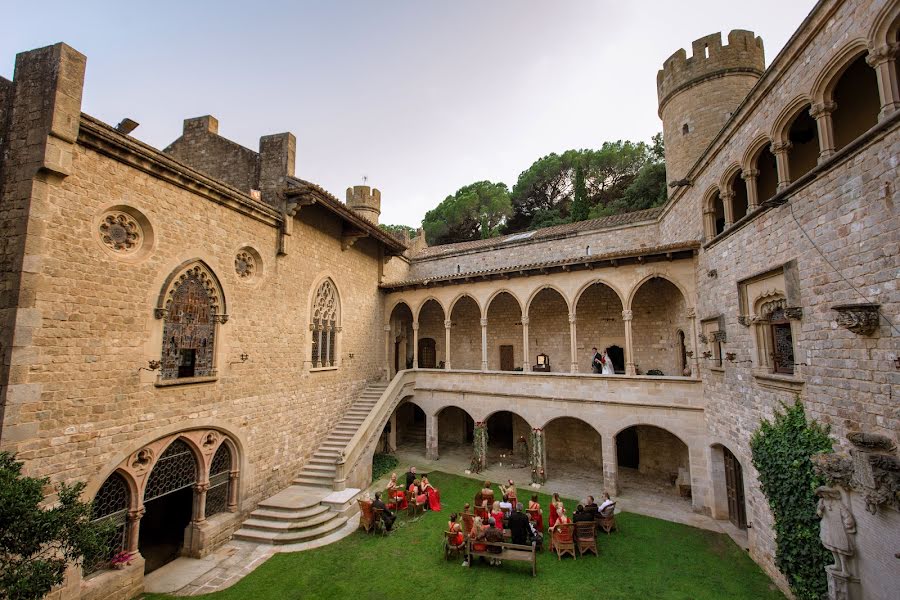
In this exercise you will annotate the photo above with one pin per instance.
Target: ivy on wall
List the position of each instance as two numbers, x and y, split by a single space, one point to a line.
479 446
781 454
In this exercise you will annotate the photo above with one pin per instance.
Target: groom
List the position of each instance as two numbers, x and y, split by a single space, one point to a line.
596 361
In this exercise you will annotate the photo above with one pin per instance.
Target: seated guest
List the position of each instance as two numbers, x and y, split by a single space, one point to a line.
554 507
494 534
410 476
396 493
466 509
416 488
487 491
534 505
386 515
591 506
561 518
582 515
433 495
497 513
456 529
478 530
505 505
508 490
534 534
518 525
606 502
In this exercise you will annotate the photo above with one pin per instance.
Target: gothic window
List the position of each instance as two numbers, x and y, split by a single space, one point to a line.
175 470
110 506
219 482
325 325
191 306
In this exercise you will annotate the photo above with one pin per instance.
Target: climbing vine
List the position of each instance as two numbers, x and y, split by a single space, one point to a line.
781 454
537 456
479 457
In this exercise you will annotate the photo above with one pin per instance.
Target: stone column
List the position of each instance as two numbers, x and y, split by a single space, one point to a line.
780 150
480 444
695 358
709 223
629 346
484 360
573 345
392 436
431 437
526 360
232 501
200 490
610 464
728 206
447 325
883 59
750 177
387 352
822 114
538 456
134 528
415 344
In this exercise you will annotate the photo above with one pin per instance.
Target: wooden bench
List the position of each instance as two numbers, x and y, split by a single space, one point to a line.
517 552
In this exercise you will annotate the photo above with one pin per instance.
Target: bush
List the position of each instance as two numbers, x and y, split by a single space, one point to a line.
382 464
781 454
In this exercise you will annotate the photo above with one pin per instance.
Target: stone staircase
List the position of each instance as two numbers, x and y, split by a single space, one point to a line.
319 471
309 509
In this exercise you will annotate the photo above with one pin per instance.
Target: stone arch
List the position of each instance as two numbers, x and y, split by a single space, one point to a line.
751 153
324 324
595 281
782 123
504 345
885 26
503 431
573 448
495 293
465 317
452 304
728 173
400 336
108 506
713 212
541 288
411 419
455 426
598 308
550 332
431 350
655 275
652 456
823 87
736 187
425 301
759 161
659 308
393 304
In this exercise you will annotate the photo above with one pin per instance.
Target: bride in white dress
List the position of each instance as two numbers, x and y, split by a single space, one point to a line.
606 365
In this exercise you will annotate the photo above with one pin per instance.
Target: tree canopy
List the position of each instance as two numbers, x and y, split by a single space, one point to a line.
36 543
399 230
476 211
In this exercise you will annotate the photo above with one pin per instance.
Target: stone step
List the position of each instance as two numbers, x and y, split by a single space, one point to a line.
316 469
282 514
290 537
326 461
312 481
281 526
292 499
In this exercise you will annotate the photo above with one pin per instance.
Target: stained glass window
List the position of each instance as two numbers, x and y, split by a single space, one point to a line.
323 329
176 469
189 332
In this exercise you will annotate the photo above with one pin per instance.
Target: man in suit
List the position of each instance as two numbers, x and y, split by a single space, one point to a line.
410 476
386 515
518 525
591 506
581 515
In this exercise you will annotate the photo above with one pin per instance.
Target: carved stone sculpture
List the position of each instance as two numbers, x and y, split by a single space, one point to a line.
861 319
836 528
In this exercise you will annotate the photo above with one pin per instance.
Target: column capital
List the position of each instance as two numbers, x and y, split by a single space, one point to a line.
484 322
448 323
415 325
627 315
726 194
749 174
387 328
525 320
781 147
882 54
822 109
201 487
135 514
691 312
572 317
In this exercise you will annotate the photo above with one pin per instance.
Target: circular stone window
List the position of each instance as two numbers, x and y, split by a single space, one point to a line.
247 263
124 232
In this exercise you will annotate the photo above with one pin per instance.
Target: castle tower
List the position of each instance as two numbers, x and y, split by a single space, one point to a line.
365 201
697 95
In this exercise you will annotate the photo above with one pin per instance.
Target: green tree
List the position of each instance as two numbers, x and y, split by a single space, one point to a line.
399 230
580 205
476 211
545 186
782 451
36 543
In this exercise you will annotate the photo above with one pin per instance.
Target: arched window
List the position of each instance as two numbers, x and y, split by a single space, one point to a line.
774 338
804 138
110 505
191 305
219 482
857 102
325 325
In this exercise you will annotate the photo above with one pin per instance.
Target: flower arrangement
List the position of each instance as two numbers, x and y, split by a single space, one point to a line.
121 560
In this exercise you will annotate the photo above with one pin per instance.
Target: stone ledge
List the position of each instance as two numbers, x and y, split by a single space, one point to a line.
185 381
779 382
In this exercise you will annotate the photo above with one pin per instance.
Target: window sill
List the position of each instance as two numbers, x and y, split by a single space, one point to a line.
788 383
717 369
320 369
185 381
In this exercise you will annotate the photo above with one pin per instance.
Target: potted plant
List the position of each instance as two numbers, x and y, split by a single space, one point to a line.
121 560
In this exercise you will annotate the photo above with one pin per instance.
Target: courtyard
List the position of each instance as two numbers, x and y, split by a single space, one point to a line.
648 557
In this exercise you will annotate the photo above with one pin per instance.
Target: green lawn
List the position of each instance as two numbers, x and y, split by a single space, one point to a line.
648 559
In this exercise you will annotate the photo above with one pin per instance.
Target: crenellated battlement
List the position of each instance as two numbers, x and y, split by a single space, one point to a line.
743 54
365 200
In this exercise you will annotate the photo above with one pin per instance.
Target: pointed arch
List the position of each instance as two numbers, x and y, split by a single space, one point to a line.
595 281
729 173
655 275
495 293
751 154
325 325
541 288
823 87
459 297
425 301
885 26
782 124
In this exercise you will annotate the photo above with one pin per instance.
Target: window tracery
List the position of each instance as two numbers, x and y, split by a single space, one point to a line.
324 326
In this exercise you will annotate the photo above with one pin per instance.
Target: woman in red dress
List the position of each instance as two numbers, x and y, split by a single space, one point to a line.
432 493
554 502
534 505
416 488
456 529
396 493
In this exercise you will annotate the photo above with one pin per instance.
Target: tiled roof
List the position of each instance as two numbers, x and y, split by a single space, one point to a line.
565 264
555 231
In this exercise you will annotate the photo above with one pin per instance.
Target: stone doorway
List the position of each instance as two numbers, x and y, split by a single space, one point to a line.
427 353
627 450
734 490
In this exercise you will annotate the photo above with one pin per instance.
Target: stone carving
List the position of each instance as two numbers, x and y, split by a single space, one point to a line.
719 336
872 469
861 319
836 528
120 232
244 264
794 313
210 440
142 459
703 338
744 320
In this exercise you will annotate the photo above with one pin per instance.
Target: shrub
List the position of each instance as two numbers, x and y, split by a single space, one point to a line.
781 454
382 464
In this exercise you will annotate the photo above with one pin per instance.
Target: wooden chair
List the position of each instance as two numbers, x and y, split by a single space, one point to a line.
453 549
378 521
606 520
468 522
562 540
586 537
414 506
482 512
366 516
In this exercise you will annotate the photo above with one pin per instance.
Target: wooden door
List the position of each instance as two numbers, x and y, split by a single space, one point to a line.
507 358
734 489
427 354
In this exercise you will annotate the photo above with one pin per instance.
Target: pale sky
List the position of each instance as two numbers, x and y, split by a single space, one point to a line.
422 97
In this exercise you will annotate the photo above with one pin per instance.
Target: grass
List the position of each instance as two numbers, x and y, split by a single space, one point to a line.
648 559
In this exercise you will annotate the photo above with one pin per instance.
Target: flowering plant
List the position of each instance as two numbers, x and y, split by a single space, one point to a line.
121 559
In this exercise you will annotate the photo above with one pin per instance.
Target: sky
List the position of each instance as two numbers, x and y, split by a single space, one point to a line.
416 98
